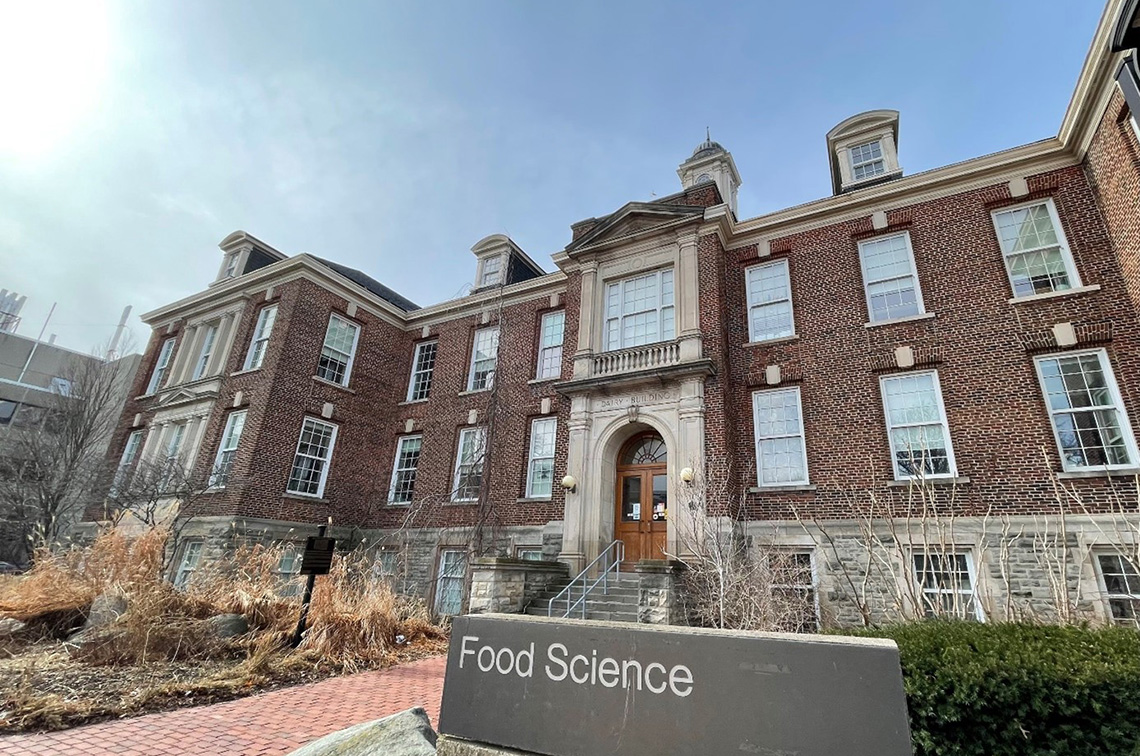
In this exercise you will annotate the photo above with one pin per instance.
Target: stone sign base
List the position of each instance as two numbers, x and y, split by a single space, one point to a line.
449 746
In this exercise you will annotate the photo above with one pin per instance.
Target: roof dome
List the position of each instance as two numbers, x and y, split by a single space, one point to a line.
707 147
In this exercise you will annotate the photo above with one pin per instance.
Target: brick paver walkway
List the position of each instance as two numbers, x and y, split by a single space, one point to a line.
265 725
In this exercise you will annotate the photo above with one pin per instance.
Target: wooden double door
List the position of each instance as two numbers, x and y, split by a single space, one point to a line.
642 511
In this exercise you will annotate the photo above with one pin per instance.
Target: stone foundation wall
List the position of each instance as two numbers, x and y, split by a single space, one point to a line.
510 585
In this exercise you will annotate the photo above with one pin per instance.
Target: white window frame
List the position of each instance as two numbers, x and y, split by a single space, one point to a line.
950 460
228 445
1108 597
209 342
881 159
396 469
188 561
259 343
1118 406
418 370
922 591
499 272
1062 243
619 286
494 358
130 453
752 337
535 549
349 358
231 265
441 576
757 439
532 458
541 373
481 434
326 461
792 551
161 365
913 273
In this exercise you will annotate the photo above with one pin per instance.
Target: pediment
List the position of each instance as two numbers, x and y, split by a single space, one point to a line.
633 219
185 396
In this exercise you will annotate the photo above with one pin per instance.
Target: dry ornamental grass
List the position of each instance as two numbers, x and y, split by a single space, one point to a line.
162 652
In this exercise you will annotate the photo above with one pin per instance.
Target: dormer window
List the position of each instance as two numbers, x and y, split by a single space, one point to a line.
864 150
491 271
231 265
867 160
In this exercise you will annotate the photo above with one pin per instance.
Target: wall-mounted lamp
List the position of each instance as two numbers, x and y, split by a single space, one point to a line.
687 474
569 483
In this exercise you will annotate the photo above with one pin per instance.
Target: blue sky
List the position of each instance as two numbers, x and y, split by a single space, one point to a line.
393 136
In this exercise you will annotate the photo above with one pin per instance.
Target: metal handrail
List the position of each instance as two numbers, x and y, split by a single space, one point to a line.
617 548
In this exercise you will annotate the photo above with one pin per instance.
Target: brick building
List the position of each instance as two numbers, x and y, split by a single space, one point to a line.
943 365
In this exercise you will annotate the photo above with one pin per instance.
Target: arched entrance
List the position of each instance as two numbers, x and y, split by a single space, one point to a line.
642 497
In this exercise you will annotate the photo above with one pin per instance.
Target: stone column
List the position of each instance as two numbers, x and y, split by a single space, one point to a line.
587 309
658 602
574 548
184 357
690 453
222 344
687 297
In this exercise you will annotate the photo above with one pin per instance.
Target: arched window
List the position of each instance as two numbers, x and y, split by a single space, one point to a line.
644 450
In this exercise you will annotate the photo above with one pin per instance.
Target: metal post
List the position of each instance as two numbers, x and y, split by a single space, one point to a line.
307 598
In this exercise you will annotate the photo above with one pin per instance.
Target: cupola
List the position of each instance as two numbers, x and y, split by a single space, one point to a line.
711 162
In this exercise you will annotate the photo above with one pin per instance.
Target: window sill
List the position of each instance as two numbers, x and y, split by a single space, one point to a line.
534 500
771 342
462 502
892 321
474 391
782 489
327 382
398 504
551 379
413 401
305 497
938 482
1056 294
245 371
1121 472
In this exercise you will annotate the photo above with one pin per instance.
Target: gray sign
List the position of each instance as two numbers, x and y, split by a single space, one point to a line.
574 688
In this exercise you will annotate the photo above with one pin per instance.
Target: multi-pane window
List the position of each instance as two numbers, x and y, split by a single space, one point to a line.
889 278
769 302
540 468
261 333
491 271
1121 588
781 456
794 591
1037 257
172 457
404 469
917 426
484 358
385 564
337 353
311 462
947 585
208 340
231 265
550 344
449 582
1088 416
161 365
288 565
191 555
469 464
227 450
529 553
127 460
639 310
867 160
423 367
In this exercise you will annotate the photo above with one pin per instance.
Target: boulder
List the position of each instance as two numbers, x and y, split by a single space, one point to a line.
9 626
408 733
105 609
227 625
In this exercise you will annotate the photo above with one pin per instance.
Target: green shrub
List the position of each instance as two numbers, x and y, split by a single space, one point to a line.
1006 689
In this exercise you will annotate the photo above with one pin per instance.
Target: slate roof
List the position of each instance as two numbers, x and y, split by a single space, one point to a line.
370 283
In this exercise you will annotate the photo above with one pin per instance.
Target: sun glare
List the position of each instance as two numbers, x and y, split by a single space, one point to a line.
53 62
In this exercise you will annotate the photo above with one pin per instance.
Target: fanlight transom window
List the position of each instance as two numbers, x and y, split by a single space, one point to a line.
644 450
